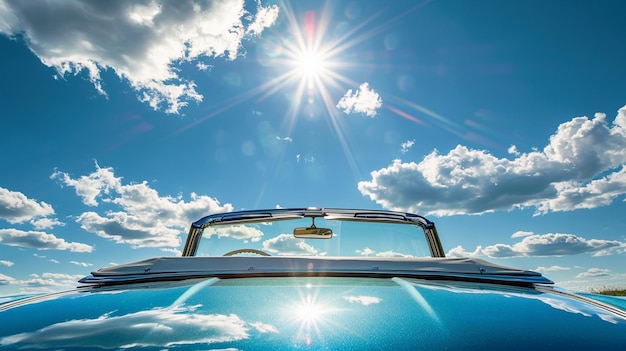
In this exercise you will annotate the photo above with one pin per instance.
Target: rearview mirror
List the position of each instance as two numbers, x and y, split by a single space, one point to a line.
313 233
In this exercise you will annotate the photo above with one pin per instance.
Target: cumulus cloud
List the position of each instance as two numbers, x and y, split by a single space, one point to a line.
287 245
89 187
6 263
582 166
459 251
142 42
239 232
364 100
369 252
144 219
520 234
265 17
81 264
513 150
45 282
594 273
39 240
264 327
552 244
6 280
15 207
50 280
366 252
46 223
542 269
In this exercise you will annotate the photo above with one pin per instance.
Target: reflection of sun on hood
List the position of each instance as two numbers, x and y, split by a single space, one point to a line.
165 327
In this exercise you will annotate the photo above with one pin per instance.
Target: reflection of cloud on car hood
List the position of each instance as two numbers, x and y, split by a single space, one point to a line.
364 300
159 327
568 303
586 310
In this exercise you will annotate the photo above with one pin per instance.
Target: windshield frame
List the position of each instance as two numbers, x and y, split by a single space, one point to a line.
271 215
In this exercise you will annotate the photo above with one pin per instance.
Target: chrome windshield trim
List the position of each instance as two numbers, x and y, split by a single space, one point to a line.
247 217
255 216
328 213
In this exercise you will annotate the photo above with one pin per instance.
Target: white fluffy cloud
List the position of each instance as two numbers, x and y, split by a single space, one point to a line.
542 269
594 273
39 240
287 245
46 223
82 264
239 232
51 280
15 207
583 166
89 187
369 252
45 282
145 219
364 100
141 41
38 283
551 244
6 280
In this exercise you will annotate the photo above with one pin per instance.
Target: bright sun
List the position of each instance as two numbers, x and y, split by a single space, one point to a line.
310 64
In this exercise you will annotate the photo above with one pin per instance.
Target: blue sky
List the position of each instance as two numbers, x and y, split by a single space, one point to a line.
122 122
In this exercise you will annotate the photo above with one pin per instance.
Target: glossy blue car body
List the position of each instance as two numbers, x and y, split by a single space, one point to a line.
313 303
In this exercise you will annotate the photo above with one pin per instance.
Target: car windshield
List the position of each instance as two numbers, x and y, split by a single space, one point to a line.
349 238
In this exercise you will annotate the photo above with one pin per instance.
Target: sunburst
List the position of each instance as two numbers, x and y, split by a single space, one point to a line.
310 64
305 58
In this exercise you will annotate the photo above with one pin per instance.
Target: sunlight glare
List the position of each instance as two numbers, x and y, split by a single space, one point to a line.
310 64
308 312
307 60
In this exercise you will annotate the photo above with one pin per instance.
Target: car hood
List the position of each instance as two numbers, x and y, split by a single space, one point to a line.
311 313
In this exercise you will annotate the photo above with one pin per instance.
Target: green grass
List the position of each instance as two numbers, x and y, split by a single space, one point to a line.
609 291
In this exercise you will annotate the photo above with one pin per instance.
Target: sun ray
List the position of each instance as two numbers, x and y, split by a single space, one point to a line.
308 58
305 59
441 121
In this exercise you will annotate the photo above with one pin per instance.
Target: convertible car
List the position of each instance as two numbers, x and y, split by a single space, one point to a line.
313 278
